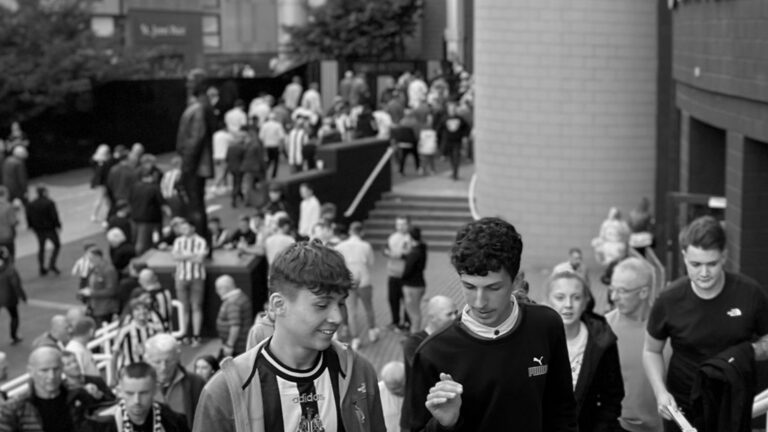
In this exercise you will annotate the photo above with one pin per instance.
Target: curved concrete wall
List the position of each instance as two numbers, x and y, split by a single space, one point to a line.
565 120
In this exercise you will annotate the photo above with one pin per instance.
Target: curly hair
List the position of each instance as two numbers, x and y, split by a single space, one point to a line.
487 245
309 265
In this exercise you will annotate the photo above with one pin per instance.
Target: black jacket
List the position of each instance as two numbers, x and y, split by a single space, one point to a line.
415 263
723 391
42 214
146 203
600 386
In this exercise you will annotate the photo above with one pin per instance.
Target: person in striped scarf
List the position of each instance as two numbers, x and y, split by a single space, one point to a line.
129 343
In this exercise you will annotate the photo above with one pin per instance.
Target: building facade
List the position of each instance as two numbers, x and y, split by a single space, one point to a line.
720 74
565 116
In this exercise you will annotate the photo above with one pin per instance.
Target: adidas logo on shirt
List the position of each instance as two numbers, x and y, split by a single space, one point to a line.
308 397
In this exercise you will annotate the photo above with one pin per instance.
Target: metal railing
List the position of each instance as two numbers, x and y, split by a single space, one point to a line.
103 339
369 181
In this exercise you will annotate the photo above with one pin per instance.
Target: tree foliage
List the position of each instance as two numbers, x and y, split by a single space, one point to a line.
48 53
356 29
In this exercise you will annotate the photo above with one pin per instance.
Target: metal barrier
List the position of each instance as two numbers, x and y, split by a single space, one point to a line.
369 181
103 339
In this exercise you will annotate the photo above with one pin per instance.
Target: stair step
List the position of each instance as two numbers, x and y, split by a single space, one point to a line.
389 224
428 234
418 214
388 196
437 205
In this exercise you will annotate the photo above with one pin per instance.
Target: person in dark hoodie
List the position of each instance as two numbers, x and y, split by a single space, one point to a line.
234 160
413 278
593 352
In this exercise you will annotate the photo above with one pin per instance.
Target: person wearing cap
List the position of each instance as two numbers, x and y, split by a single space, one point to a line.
43 218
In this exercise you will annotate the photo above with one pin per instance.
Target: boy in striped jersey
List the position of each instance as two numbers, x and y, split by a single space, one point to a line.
299 379
189 251
129 343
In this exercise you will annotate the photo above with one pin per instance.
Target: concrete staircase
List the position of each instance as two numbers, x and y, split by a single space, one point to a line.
439 217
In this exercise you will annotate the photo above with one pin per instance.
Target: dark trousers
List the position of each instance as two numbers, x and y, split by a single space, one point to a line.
273 159
14 313
395 298
237 187
194 189
308 154
409 151
144 231
43 236
454 152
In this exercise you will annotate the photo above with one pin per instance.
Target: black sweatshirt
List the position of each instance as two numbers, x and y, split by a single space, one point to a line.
521 381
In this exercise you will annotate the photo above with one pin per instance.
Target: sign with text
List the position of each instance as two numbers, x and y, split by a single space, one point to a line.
181 30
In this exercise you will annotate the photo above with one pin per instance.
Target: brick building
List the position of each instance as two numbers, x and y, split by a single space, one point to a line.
720 73
565 118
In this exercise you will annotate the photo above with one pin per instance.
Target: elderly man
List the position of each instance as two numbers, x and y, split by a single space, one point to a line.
630 291
49 406
392 389
158 297
177 388
235 316
136 409
57 336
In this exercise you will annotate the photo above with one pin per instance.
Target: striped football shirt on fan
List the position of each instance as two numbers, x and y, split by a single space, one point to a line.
192 244
129 343
300 400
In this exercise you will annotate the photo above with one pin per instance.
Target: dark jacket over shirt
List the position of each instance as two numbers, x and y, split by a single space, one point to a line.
11 290
194 140
600 386
120 179
146 203
42 214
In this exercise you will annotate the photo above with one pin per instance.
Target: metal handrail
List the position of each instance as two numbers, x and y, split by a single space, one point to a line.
760 406
369 181
471 197
104 337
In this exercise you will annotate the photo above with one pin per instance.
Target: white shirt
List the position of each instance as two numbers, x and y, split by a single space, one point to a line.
399 244
292 94
221 140
383 123
311 101
417 93
391 405
309 215
235 119
576 349
275 244
260 109
358 255
486 332
272 134
84 358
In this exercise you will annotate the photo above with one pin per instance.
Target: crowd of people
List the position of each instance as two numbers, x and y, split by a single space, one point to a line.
499 362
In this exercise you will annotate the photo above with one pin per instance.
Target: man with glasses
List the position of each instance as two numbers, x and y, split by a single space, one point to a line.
703 314
630 292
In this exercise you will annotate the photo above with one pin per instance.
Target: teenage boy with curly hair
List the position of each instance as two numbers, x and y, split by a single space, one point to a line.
503 365
298 379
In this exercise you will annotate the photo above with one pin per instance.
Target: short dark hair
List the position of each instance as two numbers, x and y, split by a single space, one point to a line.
356 227
487 245
137 370
309 265
705 233
211 360
415 233
574 249
244 218
283 222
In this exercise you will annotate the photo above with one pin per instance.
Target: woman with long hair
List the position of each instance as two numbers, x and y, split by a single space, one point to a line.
101 163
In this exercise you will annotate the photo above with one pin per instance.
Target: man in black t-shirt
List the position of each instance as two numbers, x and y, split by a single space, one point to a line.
503 365
702 315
